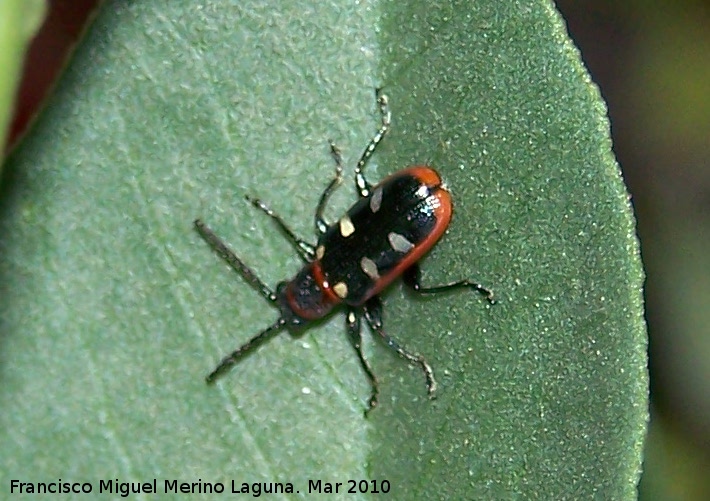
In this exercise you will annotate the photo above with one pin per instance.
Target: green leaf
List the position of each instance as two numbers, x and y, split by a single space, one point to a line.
114 310
19 21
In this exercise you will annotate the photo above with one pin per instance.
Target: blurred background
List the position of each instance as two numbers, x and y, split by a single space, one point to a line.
651 60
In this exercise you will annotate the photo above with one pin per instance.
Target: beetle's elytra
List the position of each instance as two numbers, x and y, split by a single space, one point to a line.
380 238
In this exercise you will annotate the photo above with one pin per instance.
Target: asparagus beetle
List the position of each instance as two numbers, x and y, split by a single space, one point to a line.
380 238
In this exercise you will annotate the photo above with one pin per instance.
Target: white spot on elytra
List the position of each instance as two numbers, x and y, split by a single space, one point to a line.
346 226
422 191
341 290
376 200
399 243
320 252
370 268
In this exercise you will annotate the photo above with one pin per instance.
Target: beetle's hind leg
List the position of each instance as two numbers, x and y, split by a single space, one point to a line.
363 186
411 278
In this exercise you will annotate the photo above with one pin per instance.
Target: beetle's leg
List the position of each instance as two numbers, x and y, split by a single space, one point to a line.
373 315
362 185
321 225
411 277
352 321
305 250
237 264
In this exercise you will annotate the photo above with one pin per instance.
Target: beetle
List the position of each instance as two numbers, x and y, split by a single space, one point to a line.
380 238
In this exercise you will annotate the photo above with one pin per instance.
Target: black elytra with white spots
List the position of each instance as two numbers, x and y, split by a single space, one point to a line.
375 235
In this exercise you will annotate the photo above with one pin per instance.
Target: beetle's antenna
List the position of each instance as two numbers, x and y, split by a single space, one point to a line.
245 349
226 253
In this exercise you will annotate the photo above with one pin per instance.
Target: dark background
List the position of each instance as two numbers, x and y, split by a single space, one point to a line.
651 60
